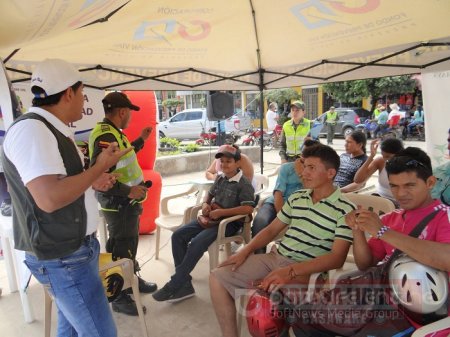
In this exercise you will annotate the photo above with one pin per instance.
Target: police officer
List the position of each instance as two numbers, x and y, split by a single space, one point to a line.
294 133
331 118
120 205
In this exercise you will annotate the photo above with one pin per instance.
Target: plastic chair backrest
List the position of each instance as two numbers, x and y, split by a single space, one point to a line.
373 203
394 121
261 183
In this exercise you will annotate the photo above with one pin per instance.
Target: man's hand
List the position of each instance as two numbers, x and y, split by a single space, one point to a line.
111 155
235 260
206 209
276 279
137 192
145 133
374 147
365 221
105 182
350 218
215 214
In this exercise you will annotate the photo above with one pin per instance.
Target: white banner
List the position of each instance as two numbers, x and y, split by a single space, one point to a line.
9 106
436 98
92 112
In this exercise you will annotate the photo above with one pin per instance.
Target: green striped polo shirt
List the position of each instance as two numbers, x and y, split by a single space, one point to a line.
313 227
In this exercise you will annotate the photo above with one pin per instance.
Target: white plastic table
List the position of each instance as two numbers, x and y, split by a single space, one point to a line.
203 186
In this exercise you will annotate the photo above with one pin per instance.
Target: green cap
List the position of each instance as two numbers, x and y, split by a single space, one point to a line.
298 104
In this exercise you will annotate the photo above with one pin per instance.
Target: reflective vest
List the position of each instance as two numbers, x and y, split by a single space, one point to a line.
128 166
295 137
331 117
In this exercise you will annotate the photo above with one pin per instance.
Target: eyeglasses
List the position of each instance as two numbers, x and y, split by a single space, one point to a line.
409 163
416 163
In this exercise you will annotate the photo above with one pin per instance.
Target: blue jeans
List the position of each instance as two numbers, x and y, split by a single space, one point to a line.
189 243
263 218
74 283
412 125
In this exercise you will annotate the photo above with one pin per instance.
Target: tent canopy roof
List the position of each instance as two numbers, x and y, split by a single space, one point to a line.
226 45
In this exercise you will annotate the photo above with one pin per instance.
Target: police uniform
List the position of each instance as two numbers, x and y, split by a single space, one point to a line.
121 213
331 119
293 137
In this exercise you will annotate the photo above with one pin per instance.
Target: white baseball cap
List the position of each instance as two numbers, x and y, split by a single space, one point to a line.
54 76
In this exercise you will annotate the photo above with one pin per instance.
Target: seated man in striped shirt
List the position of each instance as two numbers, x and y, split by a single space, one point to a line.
317 240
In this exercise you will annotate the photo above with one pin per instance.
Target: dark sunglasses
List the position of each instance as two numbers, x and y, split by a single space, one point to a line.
409 163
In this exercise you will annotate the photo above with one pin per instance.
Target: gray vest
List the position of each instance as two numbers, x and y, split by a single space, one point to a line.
46 235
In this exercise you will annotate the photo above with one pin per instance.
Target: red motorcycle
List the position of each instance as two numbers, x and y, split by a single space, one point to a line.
207 138
254 137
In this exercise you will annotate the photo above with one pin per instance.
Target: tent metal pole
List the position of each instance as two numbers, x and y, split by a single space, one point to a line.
261 117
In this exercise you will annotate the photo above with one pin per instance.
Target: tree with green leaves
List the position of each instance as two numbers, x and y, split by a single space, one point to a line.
354 91
172 103
282 96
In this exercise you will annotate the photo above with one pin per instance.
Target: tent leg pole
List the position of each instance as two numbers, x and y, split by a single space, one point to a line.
261 118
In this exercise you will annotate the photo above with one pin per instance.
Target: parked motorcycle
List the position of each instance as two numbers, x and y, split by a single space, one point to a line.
254 138
232 137
368 127
207 138
417 133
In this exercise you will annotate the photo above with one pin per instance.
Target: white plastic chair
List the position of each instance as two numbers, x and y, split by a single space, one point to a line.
261 184
169 220
130 281
275 172
373 203
241 237
378 205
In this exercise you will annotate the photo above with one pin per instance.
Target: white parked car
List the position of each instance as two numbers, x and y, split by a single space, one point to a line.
238 122
186 124
189 123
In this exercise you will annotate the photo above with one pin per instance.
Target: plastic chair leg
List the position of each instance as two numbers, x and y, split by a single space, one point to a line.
137 299
48 313
158 240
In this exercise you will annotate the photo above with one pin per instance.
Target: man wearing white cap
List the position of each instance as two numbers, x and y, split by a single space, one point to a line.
54 207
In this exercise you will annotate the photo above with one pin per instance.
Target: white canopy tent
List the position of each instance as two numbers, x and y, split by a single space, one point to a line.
226 45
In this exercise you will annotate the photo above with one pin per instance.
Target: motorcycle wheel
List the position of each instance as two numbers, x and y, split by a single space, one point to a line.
249 143
390 134
268 144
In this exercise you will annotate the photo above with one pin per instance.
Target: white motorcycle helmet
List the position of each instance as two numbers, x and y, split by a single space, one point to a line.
416 287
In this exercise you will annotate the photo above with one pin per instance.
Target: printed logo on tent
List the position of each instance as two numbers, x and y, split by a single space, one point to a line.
315 14
192 30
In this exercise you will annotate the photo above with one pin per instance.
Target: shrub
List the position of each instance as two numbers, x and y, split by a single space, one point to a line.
192 148
169 142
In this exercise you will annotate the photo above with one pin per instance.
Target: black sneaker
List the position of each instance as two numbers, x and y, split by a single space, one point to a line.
183 293
164 293
172 295
146 287
124 304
